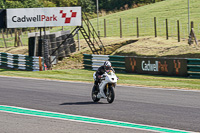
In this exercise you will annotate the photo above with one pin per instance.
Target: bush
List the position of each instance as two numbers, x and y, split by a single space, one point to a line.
31 3
48 4
14 4
2 5
87 6
23 4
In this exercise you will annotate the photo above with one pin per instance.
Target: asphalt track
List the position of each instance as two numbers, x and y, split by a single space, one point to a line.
166 108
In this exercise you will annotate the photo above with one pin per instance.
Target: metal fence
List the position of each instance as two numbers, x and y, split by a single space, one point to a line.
143 27
113 27
21 62
194 68
170 66
95 61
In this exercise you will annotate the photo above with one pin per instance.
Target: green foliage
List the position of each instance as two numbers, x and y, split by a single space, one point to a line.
48 4
22 4
87 5
31 3
14 4
110 5
65 3
2 5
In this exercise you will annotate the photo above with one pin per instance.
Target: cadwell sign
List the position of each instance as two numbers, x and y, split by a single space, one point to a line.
43 17
150 65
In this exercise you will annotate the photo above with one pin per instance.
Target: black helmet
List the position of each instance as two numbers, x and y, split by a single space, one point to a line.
107 65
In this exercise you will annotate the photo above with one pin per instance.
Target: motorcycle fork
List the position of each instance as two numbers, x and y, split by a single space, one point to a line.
107 90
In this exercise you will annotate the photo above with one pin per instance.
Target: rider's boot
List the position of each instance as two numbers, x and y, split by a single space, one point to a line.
97 87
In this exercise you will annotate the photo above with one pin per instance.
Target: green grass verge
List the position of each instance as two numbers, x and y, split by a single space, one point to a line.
125 79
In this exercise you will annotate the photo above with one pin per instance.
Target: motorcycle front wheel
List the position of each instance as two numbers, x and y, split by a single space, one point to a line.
111 95
94 94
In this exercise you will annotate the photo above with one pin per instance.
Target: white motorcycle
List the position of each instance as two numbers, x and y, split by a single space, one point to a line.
106 87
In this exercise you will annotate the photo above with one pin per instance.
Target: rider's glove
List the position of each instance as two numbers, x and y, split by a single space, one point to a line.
100 76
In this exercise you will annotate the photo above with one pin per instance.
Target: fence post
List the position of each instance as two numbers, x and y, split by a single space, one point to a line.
120 28
17 36
155 27
192 24
78 38
10 32
46 53
89 28
3 38
40 43
15 43
7 32
192 35
104 27
167 33
137 27
178 27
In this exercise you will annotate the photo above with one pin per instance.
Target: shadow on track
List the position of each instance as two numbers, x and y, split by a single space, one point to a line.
81 103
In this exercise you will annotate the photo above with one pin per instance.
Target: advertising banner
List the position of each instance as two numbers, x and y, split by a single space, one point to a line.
163 66
43 17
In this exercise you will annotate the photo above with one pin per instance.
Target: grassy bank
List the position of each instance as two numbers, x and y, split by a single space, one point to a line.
159 47
125 79
172 10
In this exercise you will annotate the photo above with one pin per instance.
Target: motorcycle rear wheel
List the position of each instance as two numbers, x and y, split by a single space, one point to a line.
94 94
111 95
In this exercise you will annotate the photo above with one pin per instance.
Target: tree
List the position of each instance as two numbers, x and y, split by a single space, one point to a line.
2 4
65 3
31 3
14 4
110 5
87 5
48 4
23 4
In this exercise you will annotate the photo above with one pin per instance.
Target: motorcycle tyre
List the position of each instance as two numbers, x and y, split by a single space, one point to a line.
94 95
111 95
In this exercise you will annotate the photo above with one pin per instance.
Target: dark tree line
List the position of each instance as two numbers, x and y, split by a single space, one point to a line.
88 6
110 5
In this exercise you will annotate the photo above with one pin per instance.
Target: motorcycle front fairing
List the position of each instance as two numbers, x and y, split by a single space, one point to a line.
102 86
109 78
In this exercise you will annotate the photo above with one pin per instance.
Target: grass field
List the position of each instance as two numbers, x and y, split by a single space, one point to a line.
172 10
159 47
125 79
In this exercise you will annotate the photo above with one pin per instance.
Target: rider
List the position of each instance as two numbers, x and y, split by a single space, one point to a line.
101 70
